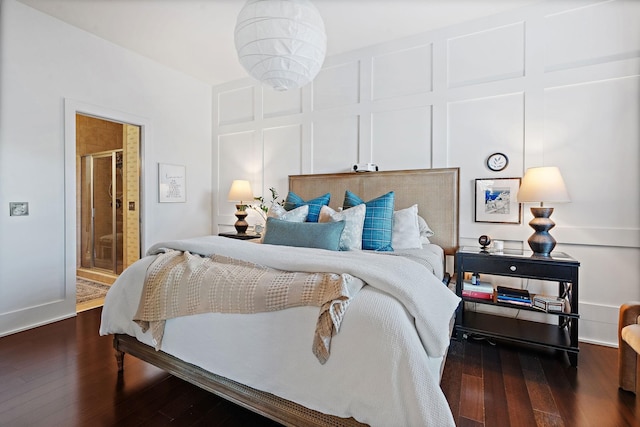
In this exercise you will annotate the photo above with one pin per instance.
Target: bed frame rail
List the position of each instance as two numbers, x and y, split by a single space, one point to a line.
281 410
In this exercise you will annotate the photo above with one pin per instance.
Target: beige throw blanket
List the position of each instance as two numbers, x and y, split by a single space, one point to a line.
181 284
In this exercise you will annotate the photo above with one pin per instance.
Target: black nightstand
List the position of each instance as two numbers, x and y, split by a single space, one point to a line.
558 267
246 236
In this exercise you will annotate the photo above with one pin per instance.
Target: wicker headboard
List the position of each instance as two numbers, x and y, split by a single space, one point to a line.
436 191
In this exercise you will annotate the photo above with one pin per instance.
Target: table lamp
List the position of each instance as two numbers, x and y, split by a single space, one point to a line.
241 193
542 184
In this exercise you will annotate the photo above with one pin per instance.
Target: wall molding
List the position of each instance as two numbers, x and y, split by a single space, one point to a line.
517 82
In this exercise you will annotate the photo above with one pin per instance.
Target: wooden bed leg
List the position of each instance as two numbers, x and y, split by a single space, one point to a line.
120 360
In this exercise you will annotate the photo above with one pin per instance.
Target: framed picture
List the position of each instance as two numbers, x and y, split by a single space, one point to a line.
171 183
496 200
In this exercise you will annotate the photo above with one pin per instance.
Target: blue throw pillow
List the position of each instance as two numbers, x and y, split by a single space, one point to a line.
378 221
293 201
325 235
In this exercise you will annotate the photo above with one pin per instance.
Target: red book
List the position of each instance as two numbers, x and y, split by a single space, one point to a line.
476 294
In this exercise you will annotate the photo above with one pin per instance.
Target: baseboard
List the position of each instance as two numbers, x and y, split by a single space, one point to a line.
37 324
601 343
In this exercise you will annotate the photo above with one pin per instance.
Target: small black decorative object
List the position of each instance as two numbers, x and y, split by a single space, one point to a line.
484 241
497 162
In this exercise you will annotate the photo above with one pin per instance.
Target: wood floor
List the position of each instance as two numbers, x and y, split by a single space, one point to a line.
64 374
500 385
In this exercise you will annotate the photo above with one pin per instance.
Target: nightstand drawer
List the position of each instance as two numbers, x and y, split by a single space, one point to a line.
519 268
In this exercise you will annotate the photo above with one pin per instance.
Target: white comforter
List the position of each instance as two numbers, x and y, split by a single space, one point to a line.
384 364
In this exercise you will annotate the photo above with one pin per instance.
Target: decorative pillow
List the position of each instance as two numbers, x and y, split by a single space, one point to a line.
351 238
303 234
378 220
425 230
295 215
406 229
278 212
293 201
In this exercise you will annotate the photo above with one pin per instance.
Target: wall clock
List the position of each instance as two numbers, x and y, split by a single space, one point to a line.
497 161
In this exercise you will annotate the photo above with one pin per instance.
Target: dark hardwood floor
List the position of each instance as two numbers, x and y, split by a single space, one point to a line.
501 385
64 374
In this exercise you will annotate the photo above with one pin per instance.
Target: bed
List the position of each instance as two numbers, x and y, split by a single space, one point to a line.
385 363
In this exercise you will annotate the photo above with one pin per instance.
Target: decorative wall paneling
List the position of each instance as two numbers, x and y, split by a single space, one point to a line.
278 104
474 125
404 72
282 151
554 83
402 138
237 106
241 152
467 59
335 140
601 32
337 86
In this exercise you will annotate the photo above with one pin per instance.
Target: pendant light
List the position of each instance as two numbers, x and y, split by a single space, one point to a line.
281 43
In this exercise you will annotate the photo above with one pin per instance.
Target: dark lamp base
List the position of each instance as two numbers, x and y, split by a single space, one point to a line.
541 242
241 225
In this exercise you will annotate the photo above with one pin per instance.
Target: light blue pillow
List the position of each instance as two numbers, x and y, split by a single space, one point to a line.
324 235
378 221
293 201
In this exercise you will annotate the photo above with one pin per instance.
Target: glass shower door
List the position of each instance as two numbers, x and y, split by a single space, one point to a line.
101 241
104 231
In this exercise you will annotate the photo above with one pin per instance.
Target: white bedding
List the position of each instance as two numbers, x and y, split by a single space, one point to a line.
384 368
430 256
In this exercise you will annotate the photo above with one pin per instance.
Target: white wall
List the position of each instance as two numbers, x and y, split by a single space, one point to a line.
46 64
556 83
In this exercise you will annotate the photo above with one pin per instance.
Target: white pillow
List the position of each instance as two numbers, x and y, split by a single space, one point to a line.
425 230
406 229
351 237
298 214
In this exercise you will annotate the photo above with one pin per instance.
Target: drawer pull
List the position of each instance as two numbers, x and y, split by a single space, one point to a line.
512 268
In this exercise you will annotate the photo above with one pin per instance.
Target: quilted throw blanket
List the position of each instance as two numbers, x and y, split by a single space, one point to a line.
179 283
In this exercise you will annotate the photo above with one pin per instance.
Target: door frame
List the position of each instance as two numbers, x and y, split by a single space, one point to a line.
71 108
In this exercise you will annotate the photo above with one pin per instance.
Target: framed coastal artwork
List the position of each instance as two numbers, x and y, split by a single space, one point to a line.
496 200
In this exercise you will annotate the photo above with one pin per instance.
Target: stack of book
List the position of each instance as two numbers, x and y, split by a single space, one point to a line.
479 291
513 296
548 303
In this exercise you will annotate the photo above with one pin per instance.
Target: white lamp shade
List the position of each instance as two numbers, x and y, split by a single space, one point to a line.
240 191
543 184
281 43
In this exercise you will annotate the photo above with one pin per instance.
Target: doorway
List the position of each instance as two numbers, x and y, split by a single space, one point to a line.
107 200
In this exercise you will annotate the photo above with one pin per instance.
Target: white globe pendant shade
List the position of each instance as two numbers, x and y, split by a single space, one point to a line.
281 43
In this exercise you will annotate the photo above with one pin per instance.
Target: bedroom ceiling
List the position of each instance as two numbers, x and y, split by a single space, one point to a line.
196 36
